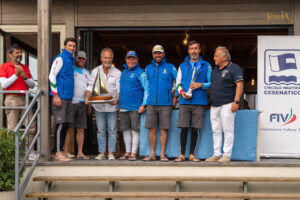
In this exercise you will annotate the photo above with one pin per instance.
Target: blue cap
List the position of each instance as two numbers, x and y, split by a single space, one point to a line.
131 54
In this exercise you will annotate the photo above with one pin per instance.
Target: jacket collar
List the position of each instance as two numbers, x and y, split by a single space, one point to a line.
67 53
132 68
162 62
187 59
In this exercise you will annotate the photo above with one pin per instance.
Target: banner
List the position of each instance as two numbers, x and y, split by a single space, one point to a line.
278 90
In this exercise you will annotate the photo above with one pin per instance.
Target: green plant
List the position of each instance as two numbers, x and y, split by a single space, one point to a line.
7 160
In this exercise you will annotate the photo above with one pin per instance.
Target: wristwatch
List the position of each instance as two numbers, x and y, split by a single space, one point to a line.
237 102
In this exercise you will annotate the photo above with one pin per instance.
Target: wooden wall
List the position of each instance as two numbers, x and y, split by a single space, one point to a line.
183 12
99 13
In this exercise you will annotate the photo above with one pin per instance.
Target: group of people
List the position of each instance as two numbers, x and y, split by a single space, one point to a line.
134 90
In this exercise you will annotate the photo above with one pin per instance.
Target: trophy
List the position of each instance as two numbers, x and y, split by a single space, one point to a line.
196 71
100 91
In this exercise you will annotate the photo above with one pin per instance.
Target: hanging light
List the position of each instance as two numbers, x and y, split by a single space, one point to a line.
186 39
252 81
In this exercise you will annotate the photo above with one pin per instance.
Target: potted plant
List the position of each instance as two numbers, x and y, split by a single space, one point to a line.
7 164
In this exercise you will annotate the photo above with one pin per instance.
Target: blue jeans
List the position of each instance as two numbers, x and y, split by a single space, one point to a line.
109 118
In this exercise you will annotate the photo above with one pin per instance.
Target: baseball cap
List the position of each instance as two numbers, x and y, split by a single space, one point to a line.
81 54
131 54
158 48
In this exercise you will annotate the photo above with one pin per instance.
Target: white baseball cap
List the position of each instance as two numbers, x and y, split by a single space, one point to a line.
158 48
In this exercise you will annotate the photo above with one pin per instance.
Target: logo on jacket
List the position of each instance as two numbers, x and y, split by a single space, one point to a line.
165 71
132 75
224 72
282 67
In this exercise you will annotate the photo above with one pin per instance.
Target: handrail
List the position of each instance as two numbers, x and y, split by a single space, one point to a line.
19 164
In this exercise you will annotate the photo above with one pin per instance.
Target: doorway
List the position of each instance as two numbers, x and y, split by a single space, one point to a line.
241 42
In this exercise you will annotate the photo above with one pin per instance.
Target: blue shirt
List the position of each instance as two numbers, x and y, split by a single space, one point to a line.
223 84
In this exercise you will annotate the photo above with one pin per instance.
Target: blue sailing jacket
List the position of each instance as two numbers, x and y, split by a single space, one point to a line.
161 79
131 89
199 96
65 78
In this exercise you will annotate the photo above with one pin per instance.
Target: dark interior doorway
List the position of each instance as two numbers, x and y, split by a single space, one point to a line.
241 41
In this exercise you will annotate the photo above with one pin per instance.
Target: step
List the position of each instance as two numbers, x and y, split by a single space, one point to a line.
163 195
164 178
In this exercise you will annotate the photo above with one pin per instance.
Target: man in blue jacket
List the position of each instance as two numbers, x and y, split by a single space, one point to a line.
194 74
61 79
132 101
159 104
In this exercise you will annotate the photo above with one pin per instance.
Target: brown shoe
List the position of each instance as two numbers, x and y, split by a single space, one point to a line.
213 159
224 159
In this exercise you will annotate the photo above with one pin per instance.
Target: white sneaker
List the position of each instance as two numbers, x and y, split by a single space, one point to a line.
101 156
111 156
70 155
32 156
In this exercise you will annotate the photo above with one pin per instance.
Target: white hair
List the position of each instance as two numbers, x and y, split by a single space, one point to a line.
225 52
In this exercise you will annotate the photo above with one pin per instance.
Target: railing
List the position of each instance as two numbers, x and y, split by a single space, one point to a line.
20 137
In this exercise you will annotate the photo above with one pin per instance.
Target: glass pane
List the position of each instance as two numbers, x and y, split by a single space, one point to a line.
32 63
23 57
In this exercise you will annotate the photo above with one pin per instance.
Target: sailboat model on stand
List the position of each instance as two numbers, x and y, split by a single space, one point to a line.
100 91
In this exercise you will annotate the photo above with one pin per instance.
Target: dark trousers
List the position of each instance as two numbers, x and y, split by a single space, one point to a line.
183 140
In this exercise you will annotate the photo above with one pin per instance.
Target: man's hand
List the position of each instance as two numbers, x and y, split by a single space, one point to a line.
57 100
174 101
23 74
86 101
142 109
114 102
234 107
195 85
183 94
89 109
18 70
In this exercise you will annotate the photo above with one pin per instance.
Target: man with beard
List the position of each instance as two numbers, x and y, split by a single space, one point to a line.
16 76
61 79
106 113
193 74
80 109
159 103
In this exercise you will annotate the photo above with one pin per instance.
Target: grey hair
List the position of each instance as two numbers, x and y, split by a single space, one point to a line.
12 48
107 49
225 52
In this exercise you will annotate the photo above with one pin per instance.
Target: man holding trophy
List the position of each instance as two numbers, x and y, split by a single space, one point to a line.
104 85
193 79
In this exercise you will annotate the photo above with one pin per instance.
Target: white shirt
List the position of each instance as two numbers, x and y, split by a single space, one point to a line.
112 81
81 78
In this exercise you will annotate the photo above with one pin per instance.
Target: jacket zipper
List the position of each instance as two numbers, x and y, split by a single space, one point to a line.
191 80
157 83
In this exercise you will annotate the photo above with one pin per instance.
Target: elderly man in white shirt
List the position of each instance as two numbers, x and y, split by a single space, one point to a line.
106 114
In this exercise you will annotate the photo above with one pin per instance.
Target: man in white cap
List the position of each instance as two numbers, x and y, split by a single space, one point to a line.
80 109
159 103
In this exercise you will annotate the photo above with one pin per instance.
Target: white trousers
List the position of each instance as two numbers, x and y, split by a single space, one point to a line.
222 120
131 140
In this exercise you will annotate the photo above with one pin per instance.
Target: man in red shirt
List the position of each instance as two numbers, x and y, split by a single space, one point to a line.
15 76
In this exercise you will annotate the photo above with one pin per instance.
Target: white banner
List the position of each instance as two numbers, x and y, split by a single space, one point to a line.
278 89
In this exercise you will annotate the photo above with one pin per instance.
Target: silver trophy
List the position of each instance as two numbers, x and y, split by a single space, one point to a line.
196 71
